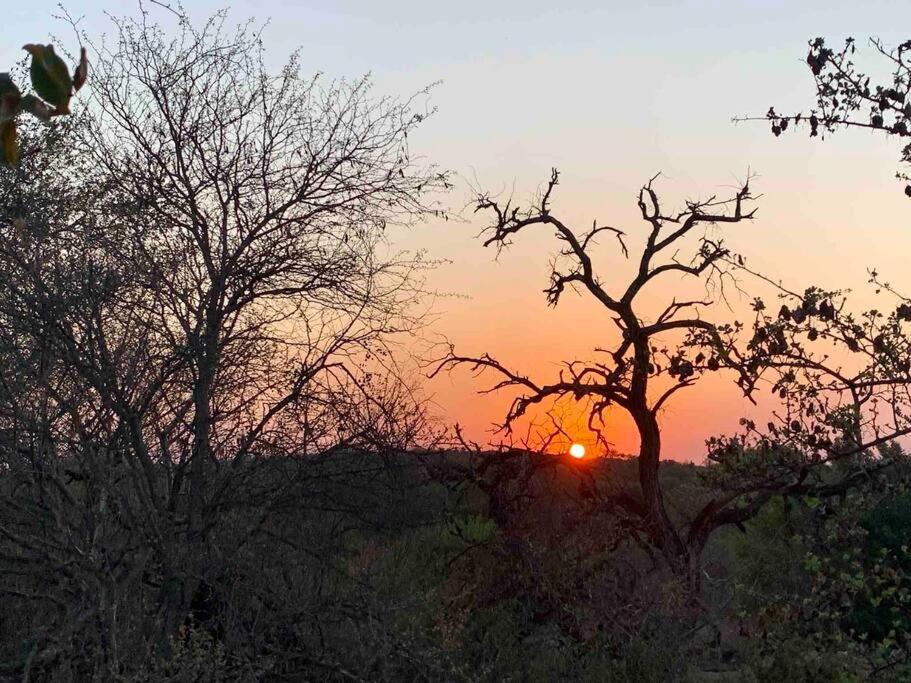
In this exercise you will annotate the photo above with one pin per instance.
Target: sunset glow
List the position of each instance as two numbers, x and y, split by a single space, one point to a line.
500 309
317 307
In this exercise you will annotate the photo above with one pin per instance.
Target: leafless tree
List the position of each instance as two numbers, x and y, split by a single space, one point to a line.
654 359
635 364
203 300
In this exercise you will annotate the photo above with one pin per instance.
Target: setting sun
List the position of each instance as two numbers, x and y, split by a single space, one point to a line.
577 450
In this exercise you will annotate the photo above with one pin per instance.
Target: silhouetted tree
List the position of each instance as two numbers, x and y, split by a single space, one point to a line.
831 415
196 307
629 376
845 390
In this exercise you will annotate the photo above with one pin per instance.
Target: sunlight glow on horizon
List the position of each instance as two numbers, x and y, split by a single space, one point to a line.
577 450
830 208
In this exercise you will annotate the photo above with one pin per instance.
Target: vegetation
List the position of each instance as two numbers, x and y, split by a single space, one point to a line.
213 466
54 85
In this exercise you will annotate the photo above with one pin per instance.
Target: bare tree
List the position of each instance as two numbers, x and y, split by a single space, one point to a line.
196 315
653 360
635 363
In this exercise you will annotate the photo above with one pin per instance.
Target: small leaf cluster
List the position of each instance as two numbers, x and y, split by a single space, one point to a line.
860 591
840 378
54 87
844 614
846 97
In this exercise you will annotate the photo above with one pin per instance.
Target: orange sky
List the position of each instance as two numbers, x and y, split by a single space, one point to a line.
828 212
611 93
803 236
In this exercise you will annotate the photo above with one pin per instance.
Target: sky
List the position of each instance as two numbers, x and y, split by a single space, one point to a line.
610 93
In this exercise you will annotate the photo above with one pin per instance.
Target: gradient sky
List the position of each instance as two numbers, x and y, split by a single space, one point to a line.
611 93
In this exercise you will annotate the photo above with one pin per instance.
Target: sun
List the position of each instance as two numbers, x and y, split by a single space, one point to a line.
577 450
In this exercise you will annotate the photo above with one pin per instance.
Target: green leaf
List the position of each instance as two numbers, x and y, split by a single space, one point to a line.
9 98
6 85
9 145
36 107
50 76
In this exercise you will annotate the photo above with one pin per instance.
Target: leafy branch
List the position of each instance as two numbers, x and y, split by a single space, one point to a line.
54 85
